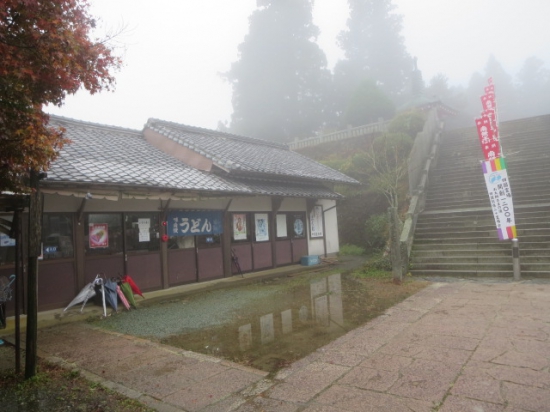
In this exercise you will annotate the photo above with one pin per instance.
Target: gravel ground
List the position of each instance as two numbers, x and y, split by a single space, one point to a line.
200 310
162 319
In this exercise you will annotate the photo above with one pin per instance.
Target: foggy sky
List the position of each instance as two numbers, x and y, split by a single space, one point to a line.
174 50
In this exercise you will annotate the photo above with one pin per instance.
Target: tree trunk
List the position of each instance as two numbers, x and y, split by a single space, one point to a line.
35 249
395 247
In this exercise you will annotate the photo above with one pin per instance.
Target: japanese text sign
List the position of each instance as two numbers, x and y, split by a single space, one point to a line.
191 223
500 196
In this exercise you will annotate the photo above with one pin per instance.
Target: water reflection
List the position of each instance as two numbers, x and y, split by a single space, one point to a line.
245 336
267 331
325 306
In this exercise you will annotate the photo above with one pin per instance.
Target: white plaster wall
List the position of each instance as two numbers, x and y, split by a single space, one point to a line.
293 205
251 204
58 203
331 227
317 245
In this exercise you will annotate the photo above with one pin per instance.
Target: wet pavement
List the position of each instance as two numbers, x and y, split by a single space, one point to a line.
454 346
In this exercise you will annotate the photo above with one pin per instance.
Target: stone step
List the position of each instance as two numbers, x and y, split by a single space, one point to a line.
479 273
476 182
477 266
479 221
456 235
481 246
466 273
484 258
435 204
523 231
530 254
482 238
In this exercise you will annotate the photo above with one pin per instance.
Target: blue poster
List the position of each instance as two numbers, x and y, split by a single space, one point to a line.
187 223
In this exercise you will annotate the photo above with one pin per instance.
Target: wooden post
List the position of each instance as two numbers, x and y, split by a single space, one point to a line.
17 217
35 249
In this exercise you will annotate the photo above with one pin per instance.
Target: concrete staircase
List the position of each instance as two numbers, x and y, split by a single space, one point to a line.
455 234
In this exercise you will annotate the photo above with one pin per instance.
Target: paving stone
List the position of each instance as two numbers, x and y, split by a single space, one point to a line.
321 408
478 384
426 380
367 378
521 376
340 358
211 390
267 405
307 383
524 360
346 398
460 404
404 315
229 404
382 361
527 397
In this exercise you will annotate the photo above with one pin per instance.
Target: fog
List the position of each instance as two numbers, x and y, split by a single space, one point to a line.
174 52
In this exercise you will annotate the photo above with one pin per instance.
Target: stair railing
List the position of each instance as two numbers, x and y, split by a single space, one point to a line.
422 158
367 129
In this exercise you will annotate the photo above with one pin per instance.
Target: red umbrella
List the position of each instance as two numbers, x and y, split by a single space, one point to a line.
135 289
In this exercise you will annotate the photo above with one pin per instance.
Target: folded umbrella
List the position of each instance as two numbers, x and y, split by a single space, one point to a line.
84 295
130 281
127 290
99 281
110 293
123 299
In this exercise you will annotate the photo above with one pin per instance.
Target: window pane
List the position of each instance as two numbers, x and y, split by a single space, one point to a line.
103 234
7 246
298 225
57 236
282 230
181 242
142 232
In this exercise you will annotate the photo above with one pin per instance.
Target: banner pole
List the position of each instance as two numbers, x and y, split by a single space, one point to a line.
515 259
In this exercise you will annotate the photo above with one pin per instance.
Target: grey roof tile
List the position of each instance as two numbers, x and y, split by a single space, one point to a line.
110 155
247 155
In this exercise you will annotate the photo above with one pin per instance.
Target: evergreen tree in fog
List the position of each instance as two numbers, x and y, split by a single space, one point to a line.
374 49
533 88
280 79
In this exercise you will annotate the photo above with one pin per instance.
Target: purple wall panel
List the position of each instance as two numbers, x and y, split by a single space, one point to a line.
284 252
56 285
210 261
145 269
182 266
262 255
299 249
244 254
111 266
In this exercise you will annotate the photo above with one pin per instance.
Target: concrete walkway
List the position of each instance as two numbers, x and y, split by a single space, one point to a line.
460 346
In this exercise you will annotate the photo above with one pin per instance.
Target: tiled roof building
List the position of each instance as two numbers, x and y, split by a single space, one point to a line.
174 204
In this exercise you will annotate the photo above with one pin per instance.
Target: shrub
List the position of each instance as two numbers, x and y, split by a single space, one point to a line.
376 231
411 123
351 250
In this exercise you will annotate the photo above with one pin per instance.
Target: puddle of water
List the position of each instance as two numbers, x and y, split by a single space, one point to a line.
299 316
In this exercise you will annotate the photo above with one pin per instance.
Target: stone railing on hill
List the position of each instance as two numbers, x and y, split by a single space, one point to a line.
367 129
421 159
